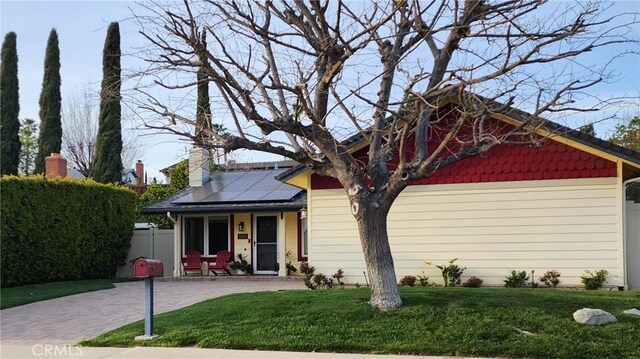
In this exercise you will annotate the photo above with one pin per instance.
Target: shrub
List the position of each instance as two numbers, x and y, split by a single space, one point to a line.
62 229
338 275
308 271
593 281
408 280
473 282
516 279
551 278
451 273
423 280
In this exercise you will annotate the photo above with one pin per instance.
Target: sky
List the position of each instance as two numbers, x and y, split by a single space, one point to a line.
81 27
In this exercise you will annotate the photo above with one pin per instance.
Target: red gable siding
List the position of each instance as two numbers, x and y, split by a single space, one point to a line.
553 160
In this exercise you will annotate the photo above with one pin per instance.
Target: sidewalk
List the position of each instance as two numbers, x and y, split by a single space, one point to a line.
40 351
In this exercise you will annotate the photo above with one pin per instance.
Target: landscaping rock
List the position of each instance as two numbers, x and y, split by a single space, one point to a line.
632 311
593 316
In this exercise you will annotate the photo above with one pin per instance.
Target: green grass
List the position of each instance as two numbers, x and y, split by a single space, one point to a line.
435 321
15 296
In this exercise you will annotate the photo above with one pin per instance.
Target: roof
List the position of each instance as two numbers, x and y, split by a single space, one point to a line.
519 115
244 166
235 191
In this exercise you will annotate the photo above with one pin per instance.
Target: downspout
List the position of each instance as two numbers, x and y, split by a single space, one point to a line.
176 246
624 228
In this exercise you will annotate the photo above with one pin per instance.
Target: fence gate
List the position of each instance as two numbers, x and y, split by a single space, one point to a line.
150 243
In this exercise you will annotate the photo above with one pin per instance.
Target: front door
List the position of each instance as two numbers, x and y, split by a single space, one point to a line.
265 244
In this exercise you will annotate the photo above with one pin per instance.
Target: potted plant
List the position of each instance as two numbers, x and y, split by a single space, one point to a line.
240 266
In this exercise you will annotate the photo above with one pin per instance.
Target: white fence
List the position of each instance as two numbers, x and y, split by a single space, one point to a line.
150 243
633 244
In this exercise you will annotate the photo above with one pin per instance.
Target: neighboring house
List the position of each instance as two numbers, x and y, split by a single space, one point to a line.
243 209
129 176
556 206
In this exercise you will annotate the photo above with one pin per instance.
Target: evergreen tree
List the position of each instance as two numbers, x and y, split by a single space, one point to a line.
203 112
29 146
108 164
9 107
50 136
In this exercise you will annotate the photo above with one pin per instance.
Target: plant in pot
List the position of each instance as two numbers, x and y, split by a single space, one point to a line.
240 266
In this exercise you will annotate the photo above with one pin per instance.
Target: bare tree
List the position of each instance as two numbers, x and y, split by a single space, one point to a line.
297 76
80 130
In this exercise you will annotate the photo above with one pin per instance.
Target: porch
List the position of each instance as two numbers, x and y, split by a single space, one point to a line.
266 240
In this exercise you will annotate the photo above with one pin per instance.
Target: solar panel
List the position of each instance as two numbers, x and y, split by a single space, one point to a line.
240 186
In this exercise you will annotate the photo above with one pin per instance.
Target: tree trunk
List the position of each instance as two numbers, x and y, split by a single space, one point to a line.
372 226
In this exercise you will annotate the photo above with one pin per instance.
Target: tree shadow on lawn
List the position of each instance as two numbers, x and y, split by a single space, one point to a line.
436 321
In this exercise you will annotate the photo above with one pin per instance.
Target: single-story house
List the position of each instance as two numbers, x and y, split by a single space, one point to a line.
560 205
244 210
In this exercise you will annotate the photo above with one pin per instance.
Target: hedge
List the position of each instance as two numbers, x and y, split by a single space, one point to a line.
62 229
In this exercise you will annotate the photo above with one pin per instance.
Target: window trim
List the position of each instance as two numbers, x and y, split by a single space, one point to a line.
301 256
205 238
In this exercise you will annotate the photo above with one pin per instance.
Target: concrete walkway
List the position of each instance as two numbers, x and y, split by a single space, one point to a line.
68 320
25 351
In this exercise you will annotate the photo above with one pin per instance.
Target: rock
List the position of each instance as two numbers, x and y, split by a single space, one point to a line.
632 311
523 332
593 316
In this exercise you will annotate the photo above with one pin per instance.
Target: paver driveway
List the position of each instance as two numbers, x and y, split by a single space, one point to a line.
68 320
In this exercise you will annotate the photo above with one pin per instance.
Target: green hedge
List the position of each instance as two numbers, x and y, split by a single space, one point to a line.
62 229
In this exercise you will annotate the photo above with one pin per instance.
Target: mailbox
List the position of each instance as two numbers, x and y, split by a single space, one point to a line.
147 268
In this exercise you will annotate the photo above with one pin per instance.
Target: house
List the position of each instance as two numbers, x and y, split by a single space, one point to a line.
556 206
560 205
244 210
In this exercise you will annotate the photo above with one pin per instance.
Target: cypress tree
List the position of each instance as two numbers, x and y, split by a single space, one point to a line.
203 112
9 107
107 167
50 137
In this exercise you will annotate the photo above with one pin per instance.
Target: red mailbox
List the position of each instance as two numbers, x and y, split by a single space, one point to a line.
147 268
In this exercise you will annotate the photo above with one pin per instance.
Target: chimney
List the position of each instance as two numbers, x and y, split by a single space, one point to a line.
140 172
55 166
198 167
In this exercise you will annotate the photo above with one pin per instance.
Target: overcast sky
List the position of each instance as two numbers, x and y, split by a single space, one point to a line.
81 27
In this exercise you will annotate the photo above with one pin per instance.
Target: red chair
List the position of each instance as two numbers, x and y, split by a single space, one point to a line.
222 259
193 263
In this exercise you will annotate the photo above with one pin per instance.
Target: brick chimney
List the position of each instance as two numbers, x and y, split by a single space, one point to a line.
55 166
140 172
198 167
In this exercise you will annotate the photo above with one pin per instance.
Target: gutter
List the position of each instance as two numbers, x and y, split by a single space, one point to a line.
171 218
624 227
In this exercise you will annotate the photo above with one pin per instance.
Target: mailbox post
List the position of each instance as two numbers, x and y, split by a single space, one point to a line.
148 269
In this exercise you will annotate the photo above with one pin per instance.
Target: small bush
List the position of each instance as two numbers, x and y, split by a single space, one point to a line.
473 282
593 281
423 280
307 271
408 280
451 273
516 279
551 278
338 275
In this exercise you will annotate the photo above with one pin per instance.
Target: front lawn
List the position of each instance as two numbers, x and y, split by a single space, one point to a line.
15 296
433 321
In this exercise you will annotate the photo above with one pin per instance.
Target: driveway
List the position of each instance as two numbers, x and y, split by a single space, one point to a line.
68 320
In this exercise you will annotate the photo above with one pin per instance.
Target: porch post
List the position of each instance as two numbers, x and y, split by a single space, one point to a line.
177 248
282 261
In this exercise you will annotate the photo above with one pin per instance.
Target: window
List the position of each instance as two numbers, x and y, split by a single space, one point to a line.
193 234
218 234
208 239
303 238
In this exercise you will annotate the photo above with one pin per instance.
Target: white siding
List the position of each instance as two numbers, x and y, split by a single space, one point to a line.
568 225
